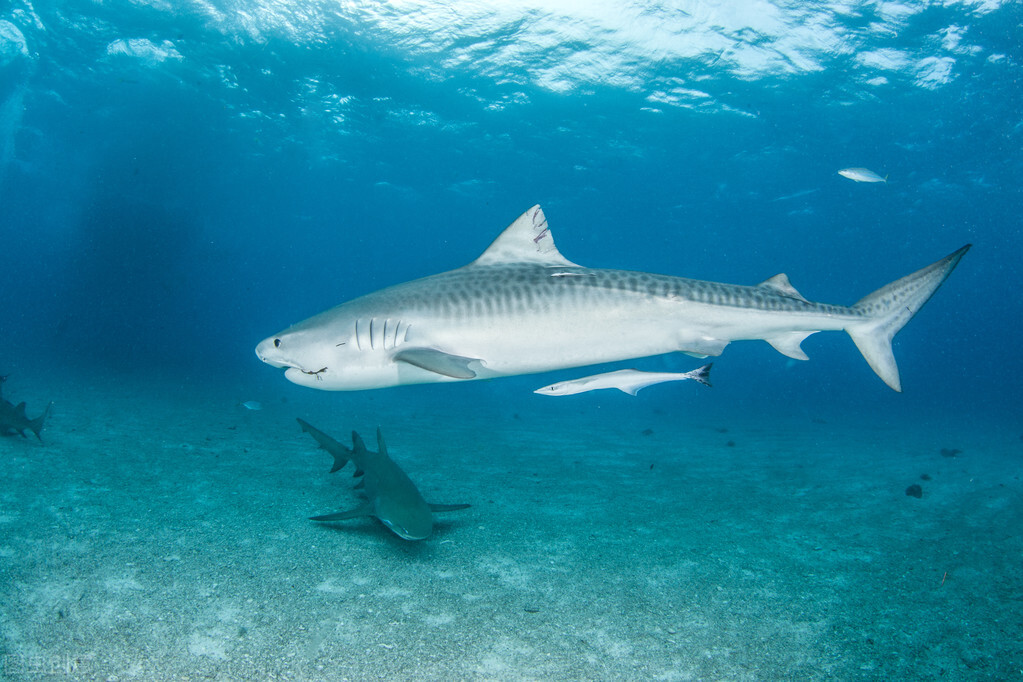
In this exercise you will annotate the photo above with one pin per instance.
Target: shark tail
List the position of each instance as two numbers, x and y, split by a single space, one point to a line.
340 453
36 425
889 309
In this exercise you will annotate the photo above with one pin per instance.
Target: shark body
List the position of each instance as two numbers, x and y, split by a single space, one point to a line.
630 381
392 497
13 419
522 308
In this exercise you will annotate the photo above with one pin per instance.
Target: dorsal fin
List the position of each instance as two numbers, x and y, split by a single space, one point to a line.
527 240
780 284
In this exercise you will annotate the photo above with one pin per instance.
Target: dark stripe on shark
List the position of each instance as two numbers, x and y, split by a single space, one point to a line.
498 290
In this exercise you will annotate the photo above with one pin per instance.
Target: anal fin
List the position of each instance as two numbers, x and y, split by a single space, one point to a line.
788 344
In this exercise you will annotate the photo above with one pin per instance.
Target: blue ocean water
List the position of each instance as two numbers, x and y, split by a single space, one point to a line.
179 180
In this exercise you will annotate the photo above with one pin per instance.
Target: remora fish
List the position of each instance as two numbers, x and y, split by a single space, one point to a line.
522 308
392 496
14 420
862 175
630 381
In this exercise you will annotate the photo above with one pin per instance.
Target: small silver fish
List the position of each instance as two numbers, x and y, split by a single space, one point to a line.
630 381
862 175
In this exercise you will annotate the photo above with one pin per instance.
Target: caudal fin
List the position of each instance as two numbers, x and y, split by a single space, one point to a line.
340 452
889 309
36 425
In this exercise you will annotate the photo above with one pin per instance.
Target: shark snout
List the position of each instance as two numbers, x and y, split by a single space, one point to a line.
268 351
414 529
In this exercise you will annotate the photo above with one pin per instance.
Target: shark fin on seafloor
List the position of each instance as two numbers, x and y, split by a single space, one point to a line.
438 362
364 510
447 507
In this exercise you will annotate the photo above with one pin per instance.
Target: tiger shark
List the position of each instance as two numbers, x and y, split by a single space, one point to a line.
522 308
392 496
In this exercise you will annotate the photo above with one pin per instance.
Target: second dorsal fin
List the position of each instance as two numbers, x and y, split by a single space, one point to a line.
780 284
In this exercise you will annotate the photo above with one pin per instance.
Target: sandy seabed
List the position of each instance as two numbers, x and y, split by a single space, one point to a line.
160 533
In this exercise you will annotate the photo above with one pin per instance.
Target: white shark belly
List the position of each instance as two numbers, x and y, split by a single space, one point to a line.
611 331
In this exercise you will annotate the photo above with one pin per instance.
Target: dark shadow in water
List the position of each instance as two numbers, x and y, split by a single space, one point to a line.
129 292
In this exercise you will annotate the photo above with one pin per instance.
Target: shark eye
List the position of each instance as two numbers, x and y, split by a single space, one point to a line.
277 343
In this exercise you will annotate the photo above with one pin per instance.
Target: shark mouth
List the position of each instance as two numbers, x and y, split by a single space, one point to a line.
294 372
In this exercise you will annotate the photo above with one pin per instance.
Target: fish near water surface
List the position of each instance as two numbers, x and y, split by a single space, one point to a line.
523 308
391 495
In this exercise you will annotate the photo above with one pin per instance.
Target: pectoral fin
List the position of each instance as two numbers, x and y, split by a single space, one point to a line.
439 362
364 510
447 507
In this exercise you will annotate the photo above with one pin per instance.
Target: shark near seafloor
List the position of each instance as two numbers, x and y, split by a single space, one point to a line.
14 420
391 496
522 308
